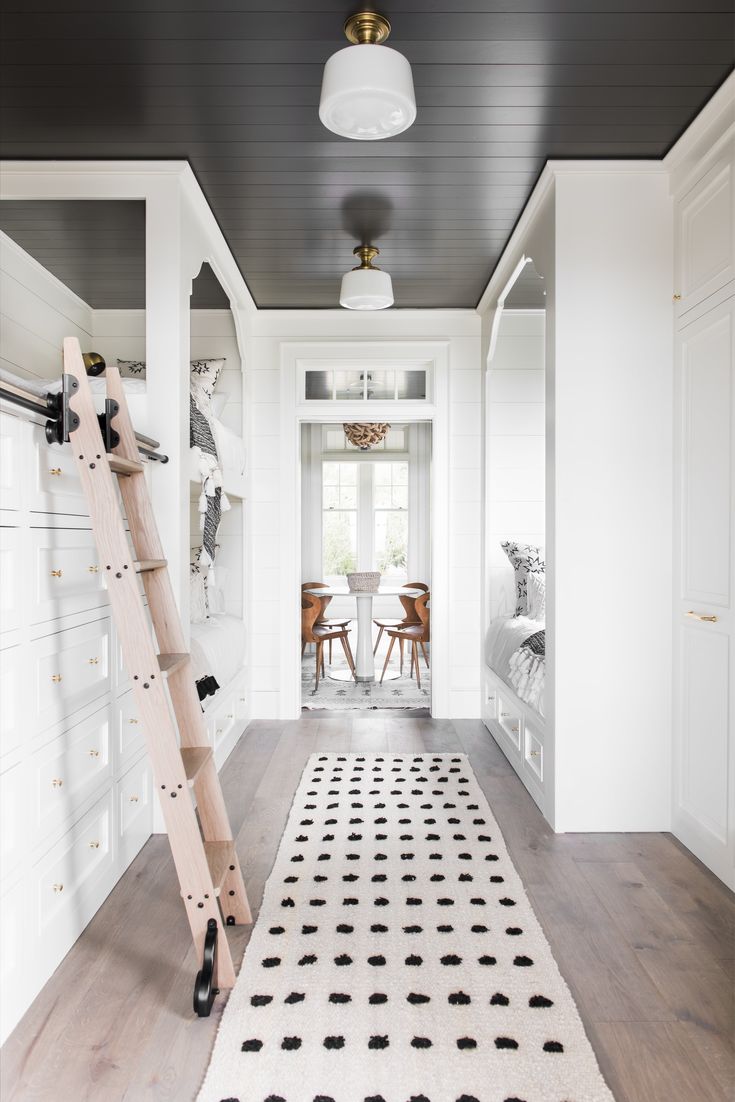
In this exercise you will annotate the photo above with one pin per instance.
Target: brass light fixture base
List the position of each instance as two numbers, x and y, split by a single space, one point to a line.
367 28
367 254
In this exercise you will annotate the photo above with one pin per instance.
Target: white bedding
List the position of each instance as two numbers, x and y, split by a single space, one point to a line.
231 454
523 671
218 648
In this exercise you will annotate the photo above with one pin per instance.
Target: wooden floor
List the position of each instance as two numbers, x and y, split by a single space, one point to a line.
644 935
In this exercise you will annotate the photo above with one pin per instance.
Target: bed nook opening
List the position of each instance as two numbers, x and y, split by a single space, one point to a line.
514 699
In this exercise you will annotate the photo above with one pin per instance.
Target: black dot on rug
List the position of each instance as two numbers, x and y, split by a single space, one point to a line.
539 1000
514 931
298 857
251 1046
291 880
277 930
375 1098
470 1098
445 902
465 878
522 962
378 928
437 878
412 901
444 929
323 1098
377 961
342 960
479 929
378 998
418 1098
309 929
295 997
275 1098
417 1000
310 958
290 1044
381 901
450 960
320 879
421 1042
414 961
458 998
378 1042
505 1042
553 1046
412 929
288 902
487 960
499 1000
261 1000
408 878
344 928
271 962
379 878
350 902
350 877
334 1042
339 997
497 880
506 902
466 1042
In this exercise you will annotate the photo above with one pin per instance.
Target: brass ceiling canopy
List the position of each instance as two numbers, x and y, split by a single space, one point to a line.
367 28
367 254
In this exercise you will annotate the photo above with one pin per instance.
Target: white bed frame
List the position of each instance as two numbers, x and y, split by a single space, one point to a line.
519 731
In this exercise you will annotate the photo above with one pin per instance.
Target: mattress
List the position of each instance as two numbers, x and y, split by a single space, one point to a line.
504 638
217 648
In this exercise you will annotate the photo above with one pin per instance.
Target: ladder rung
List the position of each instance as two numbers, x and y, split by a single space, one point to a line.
169 663
194 759
142 565
120 465
219 858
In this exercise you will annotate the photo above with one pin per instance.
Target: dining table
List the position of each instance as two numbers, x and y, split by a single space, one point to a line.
364 660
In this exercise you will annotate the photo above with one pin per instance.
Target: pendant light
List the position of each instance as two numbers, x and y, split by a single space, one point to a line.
365 287
367 88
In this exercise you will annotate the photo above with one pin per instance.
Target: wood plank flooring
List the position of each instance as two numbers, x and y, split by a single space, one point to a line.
644 935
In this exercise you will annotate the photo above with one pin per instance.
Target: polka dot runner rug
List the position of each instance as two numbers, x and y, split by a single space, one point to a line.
396 957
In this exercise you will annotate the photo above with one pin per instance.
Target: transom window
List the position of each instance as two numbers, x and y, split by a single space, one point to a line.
360 385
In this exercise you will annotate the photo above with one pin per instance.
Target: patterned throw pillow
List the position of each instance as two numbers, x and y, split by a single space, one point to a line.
526 559
131 369
204 375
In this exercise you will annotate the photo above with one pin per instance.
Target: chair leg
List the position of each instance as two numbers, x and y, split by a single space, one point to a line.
387 658
423 650
319 661
416 664
348 654
303 648
401 641
330 652
377 641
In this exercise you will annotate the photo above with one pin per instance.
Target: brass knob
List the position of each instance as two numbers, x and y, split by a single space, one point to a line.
701 616
504 715
230 715
92 661
94 845
56 677
677 298
56 573
133 721
535 753
58 888
514 728
57 782
54 470
134 799
93 569
93 753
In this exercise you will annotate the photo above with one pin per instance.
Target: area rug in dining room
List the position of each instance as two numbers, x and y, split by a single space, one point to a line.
396 957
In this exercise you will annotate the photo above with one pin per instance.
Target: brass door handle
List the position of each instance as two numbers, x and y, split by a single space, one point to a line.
701 616
56 573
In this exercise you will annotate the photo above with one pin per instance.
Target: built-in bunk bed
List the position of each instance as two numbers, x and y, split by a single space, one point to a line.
216 479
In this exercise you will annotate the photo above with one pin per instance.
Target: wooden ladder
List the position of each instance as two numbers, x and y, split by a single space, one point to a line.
165 693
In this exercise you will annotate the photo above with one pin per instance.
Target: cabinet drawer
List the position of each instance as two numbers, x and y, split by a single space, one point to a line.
11 578
55 486
13 436
510 721
223 719
134 810
67 771
65 573
129 735
72 880
534 752
12 676
14 832
69 669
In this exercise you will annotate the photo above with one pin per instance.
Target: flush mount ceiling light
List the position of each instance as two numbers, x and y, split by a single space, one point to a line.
367 88
365 287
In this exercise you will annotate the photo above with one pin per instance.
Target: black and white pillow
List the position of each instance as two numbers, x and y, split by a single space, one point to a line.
204 375
131 369
526 559
197 591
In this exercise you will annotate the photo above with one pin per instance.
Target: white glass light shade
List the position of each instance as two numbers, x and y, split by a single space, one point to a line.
367 93
366 289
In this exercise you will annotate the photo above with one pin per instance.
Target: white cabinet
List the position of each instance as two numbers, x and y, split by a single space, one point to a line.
705 236
68 670
704 643
65 575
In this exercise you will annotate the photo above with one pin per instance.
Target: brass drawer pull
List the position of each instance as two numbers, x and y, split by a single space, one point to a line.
58 888
92 661
514 728
94 845
535 753
56 782
134 799
56 678
93 753
677 297
134 721
505 715
93 569
55 471
56 573
701 616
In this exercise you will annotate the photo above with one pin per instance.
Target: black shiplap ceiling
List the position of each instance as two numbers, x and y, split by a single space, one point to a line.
501 86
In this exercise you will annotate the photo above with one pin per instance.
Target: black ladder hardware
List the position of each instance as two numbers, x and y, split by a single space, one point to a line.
205 987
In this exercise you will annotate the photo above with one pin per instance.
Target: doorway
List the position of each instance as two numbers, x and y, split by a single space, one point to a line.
365 508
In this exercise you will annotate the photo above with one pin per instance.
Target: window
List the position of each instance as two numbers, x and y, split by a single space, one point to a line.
339 518
374 384
365 518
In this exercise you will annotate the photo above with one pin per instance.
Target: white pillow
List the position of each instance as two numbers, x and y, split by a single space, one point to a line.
216 602
537 596
197 597
219 401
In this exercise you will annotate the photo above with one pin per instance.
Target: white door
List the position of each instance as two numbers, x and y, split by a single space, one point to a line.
704 658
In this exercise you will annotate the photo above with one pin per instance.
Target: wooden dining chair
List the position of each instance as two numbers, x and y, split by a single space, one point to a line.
418 635
322 619
409 616
312 631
